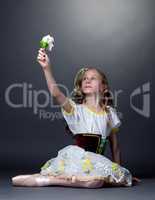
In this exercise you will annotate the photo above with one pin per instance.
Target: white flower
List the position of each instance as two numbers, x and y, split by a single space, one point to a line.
47 42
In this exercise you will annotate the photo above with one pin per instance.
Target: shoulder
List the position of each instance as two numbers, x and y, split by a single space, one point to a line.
114 117
72 101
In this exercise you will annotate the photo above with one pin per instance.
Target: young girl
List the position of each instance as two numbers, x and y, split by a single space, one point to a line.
93 121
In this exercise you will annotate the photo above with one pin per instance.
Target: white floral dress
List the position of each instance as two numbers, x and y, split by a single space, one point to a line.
73 160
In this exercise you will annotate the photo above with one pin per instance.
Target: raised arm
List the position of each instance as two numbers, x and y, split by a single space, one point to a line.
55 91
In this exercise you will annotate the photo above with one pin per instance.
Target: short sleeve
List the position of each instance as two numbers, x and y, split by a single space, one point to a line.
71 117
114 119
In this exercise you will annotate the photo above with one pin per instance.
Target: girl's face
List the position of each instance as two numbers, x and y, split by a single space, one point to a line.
92 82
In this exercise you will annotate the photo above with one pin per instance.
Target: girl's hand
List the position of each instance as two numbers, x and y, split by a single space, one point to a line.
43 58
135 180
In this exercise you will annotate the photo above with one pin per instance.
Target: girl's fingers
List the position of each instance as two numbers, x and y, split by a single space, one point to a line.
136 179
41 58
42 55
38 58
40 52
42 49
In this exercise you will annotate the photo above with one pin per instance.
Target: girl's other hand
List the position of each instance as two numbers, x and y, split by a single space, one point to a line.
43 58
135 180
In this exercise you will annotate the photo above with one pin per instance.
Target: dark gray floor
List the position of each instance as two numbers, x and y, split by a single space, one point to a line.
143 191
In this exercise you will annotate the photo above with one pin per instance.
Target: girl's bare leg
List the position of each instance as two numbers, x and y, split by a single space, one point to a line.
37 180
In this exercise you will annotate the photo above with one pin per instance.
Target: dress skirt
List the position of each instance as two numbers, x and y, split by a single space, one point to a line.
83 160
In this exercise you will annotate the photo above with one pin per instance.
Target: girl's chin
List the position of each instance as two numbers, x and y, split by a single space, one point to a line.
88 92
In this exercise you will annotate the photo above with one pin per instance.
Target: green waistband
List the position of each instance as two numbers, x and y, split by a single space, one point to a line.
102 146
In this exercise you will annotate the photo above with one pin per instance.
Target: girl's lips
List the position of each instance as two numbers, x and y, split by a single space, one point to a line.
88 87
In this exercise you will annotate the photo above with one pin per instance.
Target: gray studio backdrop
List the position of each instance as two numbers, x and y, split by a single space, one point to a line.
113 35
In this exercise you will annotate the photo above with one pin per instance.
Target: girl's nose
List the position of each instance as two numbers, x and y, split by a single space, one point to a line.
88 81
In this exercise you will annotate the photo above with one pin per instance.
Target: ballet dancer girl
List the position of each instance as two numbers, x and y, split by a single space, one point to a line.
93 121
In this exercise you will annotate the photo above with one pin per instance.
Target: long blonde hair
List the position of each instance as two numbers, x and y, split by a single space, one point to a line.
78 96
